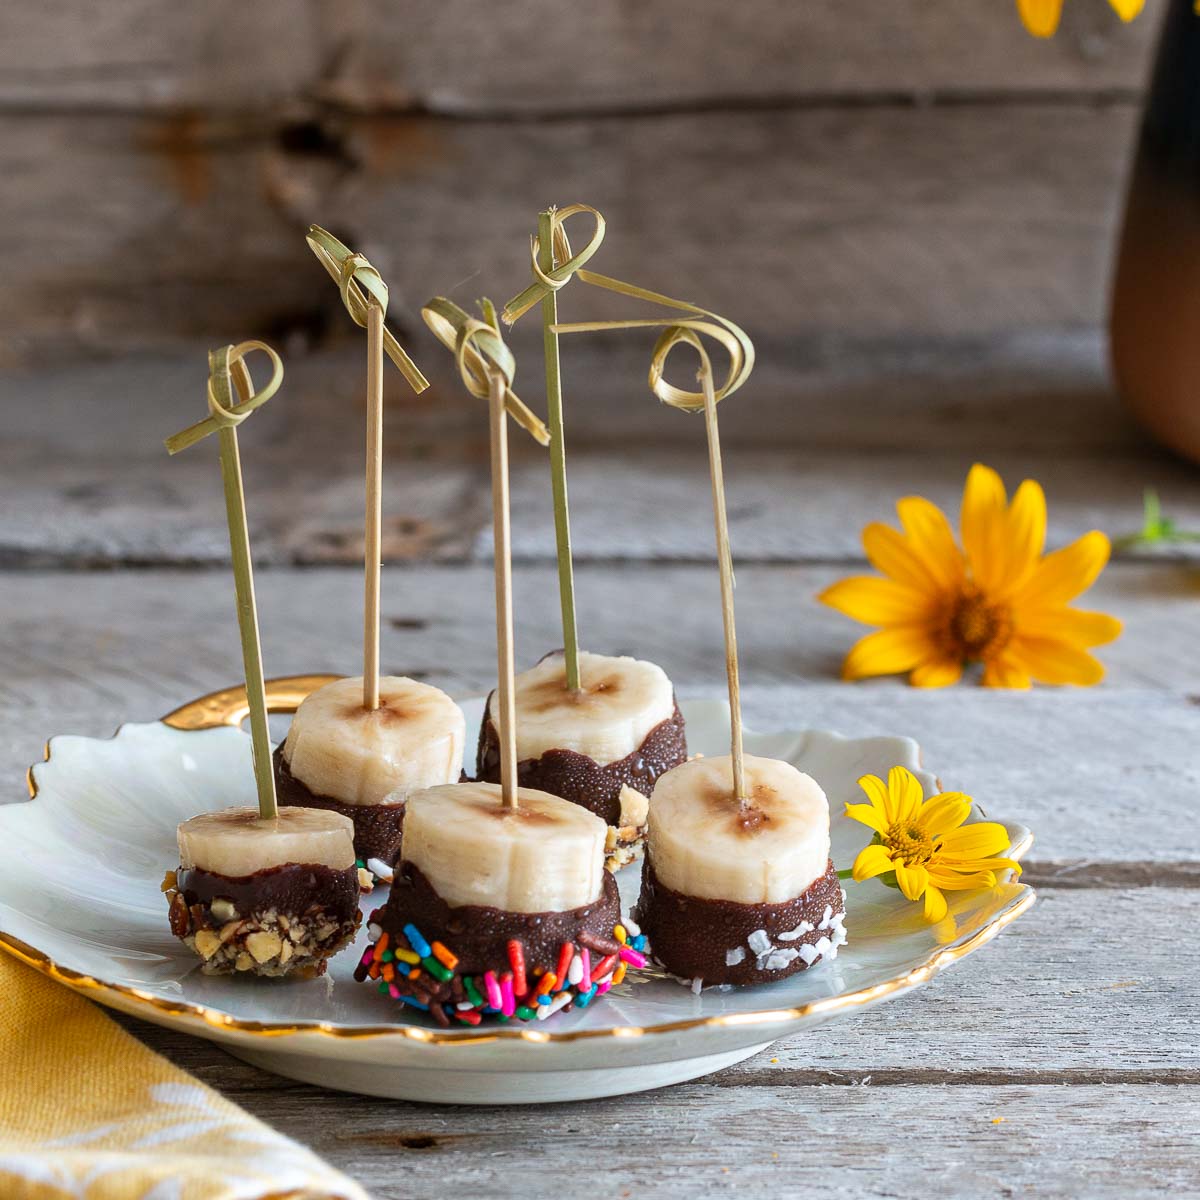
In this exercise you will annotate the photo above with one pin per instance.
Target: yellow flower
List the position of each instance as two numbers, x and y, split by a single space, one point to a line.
1041 16
922 843
998 601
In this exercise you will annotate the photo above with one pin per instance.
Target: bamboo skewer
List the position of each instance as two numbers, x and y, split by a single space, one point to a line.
487 367
725 568
558 457
226 367
553 265
365 297
502 535
373 531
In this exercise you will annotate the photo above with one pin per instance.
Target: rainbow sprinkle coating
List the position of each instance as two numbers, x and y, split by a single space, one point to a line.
423 975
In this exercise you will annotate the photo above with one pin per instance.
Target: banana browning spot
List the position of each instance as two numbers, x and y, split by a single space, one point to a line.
752 817
549 694
526 815
388 713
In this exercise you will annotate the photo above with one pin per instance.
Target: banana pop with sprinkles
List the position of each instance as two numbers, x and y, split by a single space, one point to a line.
499 911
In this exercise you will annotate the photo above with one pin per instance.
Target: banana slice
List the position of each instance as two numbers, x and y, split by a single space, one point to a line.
701 843
414 739
621 700
237 842
546 856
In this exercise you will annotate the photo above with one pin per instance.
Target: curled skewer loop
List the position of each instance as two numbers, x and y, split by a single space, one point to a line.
730 337
567 264
360 285
226 370
480 351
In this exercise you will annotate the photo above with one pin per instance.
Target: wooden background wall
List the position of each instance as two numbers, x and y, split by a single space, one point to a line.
866 169
909 204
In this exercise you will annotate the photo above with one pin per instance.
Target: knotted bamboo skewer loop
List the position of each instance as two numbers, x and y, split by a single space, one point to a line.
476 345
567 264
222 411
360 284
732 338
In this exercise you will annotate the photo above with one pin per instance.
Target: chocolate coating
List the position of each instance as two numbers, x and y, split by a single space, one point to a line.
282 921
582 780
377 827
479 935
295 888
691 937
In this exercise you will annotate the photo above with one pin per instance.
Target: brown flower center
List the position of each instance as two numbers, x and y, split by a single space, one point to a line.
976 629
909 843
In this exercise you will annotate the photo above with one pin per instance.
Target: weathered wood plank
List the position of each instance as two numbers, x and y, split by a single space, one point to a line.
706 1138
602 56
813 453
795 505
633 504
965 221
1024 391
85 651
697 1139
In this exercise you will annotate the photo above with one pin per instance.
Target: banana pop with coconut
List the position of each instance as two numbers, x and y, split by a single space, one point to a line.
737 884
739 889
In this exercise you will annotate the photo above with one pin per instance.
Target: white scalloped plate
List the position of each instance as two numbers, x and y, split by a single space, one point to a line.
80 867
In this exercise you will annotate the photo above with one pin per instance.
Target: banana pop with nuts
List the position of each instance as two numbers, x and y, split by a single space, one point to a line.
601 746
265 897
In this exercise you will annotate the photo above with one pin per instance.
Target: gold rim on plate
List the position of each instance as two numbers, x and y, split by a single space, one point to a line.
229 707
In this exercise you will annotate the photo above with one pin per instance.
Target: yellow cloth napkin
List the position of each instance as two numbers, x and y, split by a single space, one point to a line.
87 1112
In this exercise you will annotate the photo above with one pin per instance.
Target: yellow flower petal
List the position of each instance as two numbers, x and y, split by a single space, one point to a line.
893 554
877 793
871 861
888 652
869 815
1070 625
906 794
875 601
1063 575
980 840
956 881
969 865
1051 661
1005 672
984 511
936 674
932 540
1040 17
935 904
883 798
912 880
1025 535
944 812
1127 9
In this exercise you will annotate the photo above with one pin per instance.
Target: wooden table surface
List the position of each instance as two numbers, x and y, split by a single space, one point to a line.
1064 1060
